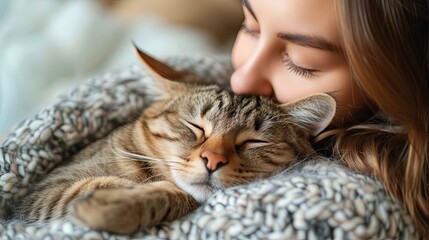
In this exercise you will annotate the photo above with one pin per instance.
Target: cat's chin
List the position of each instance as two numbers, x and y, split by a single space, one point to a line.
199 191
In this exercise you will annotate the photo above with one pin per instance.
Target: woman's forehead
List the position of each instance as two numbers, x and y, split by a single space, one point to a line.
310 18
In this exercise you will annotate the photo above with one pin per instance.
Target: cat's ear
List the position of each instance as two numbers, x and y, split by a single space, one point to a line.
158 68
313 114
165 81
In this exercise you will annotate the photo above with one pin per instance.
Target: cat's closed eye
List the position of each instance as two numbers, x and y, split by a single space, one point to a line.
250 143
197 130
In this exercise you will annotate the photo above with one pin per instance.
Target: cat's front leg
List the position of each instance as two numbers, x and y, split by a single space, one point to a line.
128 210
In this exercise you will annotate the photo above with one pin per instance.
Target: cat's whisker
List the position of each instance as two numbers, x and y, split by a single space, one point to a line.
122 153
101 162
134 171
168 163
164 163
170 157
160 152
149 179
134 156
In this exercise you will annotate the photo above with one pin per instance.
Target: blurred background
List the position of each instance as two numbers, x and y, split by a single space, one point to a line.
49 46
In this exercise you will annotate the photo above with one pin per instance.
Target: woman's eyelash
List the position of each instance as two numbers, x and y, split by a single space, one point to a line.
247 31
300 71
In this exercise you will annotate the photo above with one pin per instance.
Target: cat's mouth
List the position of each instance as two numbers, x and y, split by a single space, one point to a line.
207 183
202 184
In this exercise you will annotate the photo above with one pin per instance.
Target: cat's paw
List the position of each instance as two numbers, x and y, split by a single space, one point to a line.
112 210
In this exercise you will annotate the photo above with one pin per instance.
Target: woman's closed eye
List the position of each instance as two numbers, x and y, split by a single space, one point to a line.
290 65
248 31
300 71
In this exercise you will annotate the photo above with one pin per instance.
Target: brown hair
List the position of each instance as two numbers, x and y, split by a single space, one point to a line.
386 45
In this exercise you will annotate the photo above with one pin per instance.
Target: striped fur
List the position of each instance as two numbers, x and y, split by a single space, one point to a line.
159 167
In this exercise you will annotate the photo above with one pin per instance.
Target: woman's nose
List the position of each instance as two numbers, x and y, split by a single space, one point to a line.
251 77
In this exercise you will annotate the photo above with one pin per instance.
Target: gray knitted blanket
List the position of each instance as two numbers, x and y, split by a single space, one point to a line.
315 200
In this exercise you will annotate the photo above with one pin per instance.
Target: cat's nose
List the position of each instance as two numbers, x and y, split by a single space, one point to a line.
213 161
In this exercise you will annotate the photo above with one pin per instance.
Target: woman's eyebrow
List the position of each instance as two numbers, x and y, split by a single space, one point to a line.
249 8
309 41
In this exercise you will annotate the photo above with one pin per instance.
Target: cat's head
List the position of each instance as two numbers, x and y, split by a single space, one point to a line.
210 138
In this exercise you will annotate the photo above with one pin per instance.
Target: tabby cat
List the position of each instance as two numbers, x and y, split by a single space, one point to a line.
193 140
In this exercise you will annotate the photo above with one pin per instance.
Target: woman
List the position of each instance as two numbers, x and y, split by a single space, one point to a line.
372 56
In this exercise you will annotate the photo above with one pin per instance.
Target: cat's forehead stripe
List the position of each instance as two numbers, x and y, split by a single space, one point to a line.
233 108
248 106
258 123
207 107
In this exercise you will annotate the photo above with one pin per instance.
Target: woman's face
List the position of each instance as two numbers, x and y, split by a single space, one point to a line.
289 49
